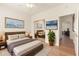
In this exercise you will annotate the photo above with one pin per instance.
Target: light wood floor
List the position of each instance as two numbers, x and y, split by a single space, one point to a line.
66 48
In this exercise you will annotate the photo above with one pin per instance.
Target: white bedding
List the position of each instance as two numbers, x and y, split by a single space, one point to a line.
11 41
26 47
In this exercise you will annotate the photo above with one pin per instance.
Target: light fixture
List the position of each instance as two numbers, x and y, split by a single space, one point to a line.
30 5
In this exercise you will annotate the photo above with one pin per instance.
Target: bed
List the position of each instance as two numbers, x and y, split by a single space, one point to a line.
20 45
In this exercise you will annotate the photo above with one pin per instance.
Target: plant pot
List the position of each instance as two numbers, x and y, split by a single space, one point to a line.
51 43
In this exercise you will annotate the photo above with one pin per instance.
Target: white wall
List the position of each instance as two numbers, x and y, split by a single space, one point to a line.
7 12
78 32
55 13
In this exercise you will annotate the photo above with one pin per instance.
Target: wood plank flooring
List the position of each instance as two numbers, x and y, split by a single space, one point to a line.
66 48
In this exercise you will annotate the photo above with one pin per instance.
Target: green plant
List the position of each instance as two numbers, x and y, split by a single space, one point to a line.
51 36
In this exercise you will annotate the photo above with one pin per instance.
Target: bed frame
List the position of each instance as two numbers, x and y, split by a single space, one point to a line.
33 51
12 33
29 53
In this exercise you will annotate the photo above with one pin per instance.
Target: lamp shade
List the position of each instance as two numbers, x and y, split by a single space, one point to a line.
26 33
30 34
2 36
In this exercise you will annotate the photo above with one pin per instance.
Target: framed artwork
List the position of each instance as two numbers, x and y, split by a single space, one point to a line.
13 23
73 21
52 24
39 24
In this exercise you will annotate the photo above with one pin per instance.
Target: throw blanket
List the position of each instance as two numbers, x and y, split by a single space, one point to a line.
15 44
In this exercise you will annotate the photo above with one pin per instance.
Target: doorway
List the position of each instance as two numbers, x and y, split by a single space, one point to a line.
66 30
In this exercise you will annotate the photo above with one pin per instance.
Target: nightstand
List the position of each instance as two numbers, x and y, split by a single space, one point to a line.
30 37
2 45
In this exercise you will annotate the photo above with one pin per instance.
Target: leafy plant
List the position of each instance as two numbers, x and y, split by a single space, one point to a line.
51 36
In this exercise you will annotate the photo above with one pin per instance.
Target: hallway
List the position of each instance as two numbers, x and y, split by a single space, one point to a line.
67 44
66 48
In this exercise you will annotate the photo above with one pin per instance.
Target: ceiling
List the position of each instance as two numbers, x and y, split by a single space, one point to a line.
38 7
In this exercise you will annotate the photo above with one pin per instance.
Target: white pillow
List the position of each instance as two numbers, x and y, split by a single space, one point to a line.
21 35
12 37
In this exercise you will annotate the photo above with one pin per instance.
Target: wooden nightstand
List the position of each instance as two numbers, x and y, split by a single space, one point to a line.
2 45
30 37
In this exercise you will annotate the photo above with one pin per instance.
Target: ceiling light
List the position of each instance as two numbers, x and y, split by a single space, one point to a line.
30 5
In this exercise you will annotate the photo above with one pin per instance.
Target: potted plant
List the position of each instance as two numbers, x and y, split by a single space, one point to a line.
51 37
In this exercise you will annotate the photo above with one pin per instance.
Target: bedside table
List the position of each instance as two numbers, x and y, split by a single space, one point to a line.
2 45
30 37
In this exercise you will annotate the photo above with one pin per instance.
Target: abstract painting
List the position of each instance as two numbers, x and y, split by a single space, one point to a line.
52 24
13 23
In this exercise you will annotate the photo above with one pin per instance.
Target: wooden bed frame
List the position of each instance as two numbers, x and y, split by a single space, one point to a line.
31 52
12 33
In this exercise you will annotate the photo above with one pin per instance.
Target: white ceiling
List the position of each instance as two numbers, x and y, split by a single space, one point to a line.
21 7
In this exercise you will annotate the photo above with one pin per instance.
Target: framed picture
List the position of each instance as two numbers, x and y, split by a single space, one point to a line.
73 21
52 24
39 24
13 23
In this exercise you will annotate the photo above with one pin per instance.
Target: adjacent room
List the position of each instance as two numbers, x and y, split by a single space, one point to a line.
38 29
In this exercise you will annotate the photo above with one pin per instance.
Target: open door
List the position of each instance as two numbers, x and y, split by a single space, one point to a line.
66 31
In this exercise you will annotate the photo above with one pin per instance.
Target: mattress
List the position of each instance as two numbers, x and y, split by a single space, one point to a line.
23 46
22 49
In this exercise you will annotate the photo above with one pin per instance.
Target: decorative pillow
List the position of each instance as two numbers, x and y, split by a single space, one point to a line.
21 35
12 37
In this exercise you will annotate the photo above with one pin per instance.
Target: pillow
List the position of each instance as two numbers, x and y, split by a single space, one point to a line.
12 37
21 35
